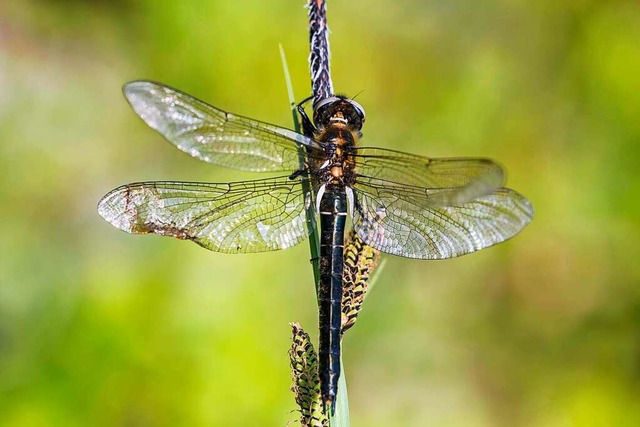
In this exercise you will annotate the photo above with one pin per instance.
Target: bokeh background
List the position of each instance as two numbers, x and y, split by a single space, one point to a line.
102 328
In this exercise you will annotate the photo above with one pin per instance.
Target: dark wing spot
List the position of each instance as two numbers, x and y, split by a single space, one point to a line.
163 230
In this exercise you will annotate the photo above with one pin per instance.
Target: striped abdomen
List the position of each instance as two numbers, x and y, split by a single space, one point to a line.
333 215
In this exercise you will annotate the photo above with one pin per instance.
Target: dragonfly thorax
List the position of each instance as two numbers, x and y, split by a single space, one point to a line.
338 141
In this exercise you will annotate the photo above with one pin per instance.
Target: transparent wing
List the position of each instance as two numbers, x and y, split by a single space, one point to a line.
238 217
213 135
451 181
404 221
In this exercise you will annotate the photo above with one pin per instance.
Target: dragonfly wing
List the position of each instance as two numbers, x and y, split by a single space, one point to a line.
448 181
238 217
213 135
407 223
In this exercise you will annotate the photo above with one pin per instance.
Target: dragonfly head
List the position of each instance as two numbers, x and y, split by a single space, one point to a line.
339 109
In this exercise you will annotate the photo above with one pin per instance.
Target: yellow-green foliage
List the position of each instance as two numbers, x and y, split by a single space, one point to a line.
101 328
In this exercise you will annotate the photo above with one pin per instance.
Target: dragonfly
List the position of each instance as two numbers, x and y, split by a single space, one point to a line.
399 203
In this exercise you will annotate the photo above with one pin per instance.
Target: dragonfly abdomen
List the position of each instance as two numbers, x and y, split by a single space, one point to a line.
333 215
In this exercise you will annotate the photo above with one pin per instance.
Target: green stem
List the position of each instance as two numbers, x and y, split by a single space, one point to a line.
310 213
341 417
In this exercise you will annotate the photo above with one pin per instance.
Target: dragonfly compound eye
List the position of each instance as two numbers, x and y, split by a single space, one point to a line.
358 108
324 109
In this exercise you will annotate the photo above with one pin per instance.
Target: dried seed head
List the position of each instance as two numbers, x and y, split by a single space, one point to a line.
360 260
306 382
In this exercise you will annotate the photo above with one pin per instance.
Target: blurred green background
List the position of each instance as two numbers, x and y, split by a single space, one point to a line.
102 328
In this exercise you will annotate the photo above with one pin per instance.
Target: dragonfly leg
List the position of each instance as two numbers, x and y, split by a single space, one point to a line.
297 173
307 125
